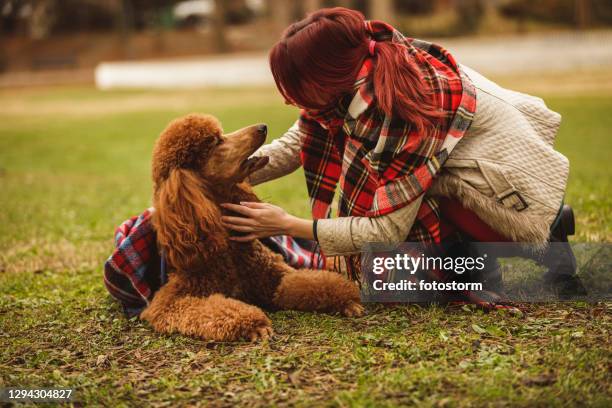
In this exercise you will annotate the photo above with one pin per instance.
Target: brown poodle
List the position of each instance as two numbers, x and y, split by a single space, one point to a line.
216 286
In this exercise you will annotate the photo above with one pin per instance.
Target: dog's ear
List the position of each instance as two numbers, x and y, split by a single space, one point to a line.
187 220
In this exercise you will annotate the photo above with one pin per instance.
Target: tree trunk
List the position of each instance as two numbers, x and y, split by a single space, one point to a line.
125 24
42 19
282 12
311 5
345 3
220 39
382 10
444 5
583 14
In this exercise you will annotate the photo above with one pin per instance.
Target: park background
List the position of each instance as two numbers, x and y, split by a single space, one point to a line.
87 86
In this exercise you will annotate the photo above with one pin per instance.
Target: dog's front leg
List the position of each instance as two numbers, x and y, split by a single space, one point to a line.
318 291
215 317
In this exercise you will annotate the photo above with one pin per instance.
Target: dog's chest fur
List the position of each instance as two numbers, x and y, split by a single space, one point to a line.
246 271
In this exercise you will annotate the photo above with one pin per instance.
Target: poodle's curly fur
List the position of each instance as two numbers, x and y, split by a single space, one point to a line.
216 286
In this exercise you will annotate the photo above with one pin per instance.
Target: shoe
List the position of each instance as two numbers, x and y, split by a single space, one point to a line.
560 260
564 225
566 286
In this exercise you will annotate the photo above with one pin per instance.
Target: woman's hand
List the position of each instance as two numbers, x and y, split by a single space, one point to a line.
261 220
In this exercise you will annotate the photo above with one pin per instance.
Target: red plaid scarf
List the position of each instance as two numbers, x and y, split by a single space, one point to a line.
380 162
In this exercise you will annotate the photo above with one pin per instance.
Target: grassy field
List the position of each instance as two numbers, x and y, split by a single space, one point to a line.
74 163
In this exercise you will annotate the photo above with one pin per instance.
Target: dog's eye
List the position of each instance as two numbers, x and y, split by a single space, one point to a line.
219 141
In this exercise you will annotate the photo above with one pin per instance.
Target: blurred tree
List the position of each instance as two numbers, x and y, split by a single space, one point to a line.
221 44
344 3
382 10
282 12
601 11
418 7
440 5
583 13
125 25
470 14
580 13
311 5
42 17
362 6
238 12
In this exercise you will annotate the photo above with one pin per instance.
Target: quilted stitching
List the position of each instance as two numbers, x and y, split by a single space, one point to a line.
516 132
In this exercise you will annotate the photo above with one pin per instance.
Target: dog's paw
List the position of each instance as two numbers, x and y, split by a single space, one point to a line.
260 333
353 309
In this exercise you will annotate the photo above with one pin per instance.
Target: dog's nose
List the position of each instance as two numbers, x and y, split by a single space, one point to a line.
263 129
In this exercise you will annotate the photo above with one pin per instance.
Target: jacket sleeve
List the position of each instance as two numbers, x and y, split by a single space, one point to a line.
284 154
347 235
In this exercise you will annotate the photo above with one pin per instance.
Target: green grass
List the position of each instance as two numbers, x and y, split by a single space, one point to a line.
74 163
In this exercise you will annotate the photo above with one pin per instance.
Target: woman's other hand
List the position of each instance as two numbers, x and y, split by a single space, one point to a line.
261 220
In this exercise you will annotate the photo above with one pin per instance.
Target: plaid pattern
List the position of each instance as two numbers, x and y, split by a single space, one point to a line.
381 163
135 270
297 252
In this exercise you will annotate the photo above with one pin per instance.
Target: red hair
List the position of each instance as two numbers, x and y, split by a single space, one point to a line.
317 60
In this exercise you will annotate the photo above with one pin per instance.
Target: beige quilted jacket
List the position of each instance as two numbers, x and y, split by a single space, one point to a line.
505 169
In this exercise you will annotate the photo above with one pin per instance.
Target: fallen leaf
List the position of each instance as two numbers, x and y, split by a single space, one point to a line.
294 378
101 360
478 329
444 402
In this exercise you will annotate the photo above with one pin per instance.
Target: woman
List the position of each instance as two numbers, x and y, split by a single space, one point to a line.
419 147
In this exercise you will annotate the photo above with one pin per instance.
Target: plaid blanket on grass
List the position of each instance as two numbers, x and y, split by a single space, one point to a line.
135 270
